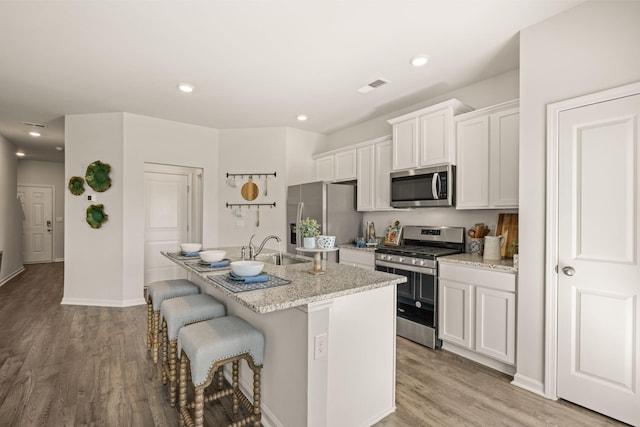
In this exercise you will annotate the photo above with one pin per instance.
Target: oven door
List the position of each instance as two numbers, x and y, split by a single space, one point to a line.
417 296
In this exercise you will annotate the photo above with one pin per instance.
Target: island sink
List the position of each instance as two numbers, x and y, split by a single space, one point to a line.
280 259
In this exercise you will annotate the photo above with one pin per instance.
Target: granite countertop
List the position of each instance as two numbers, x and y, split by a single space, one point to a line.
305 288
476 260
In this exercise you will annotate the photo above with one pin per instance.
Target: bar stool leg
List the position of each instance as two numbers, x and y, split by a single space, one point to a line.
173 357
149 324
220 377
257 412
235 386
182 387
156 331
198 413
164 351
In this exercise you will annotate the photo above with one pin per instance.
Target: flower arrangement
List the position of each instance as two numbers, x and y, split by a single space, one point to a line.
309 228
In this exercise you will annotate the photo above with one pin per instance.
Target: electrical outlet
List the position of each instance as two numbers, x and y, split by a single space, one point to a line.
320 346
92 198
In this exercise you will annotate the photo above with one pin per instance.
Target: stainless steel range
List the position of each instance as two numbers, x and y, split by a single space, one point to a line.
417 259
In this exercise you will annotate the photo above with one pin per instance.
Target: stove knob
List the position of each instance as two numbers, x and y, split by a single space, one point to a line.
401 259
421 262
389 258
414 261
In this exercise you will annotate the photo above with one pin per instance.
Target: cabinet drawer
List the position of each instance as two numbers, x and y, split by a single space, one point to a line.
352 256
501 281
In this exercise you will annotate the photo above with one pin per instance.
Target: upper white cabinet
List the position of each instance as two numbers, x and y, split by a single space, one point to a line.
425 137
338 165
373 170
487 157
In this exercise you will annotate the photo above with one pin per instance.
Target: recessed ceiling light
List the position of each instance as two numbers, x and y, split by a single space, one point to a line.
34 133
302 117
59 148
419 60
185 87
20 154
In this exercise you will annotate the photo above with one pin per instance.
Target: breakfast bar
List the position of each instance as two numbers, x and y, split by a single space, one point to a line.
329 339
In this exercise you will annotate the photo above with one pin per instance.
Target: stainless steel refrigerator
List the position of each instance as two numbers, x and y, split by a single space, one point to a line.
332 205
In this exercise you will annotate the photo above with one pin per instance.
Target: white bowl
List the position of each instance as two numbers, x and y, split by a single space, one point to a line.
212 255
247 268
190 247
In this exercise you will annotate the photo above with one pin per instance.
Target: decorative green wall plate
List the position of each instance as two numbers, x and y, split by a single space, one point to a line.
97 176
76 185
96 216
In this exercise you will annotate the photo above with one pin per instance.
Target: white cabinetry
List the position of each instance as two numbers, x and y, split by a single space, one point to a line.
358 258
487 157
338 165
478 312
373 170
425 137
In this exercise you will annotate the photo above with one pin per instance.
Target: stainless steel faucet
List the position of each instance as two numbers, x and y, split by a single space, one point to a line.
253 252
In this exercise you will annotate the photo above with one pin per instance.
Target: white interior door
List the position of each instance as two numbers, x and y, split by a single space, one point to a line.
37 226
167 219
598 342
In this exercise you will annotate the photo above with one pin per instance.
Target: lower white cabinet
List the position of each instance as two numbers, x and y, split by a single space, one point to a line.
358 258
477 310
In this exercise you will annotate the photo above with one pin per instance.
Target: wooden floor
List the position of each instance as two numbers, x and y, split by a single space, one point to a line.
73 365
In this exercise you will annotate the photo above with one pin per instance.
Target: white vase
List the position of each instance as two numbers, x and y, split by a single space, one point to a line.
309 242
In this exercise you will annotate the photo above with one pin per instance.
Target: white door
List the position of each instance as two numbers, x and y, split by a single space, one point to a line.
37 226
167 215
598 342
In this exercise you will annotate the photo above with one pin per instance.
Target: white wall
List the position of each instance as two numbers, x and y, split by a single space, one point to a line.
252 151
93 268
501 88
589 48
106 266
301 168
10 213
31 172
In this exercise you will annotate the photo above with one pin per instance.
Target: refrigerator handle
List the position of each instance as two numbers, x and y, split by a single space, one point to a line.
298 219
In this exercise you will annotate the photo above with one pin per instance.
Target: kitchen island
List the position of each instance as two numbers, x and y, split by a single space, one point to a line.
329 341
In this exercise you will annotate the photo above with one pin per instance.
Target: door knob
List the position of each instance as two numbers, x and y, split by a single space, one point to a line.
569 271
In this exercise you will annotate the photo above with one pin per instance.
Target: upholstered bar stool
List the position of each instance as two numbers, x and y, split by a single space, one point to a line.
206 347
156 293
176 313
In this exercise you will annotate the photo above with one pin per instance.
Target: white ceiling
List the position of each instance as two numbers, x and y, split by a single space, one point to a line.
253 63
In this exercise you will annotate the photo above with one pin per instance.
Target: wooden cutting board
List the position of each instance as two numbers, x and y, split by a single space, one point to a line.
507 227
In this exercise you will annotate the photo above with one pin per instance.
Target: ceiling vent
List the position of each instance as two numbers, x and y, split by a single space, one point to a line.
33 125
373 85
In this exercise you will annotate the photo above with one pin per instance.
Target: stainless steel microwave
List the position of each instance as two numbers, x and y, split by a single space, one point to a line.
427 187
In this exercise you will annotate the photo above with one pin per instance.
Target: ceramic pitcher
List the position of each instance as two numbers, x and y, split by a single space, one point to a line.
492 247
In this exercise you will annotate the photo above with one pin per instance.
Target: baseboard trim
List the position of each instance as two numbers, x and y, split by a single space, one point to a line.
58 260
12 275
529 384
102 302
481 359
